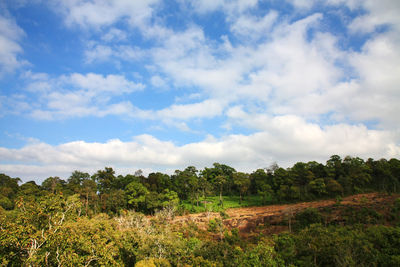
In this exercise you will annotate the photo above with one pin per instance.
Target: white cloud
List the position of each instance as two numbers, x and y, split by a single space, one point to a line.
78 95
101 13
158 82
251 27
303 4
206 109
10 49
235 6
285 139
97 52
379 77
114 35
380 13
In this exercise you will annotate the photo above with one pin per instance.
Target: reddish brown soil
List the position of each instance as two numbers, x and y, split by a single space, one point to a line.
248 219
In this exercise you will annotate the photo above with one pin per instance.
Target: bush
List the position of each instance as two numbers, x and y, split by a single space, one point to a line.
307 217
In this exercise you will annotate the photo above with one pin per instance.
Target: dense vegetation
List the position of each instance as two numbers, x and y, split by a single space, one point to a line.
99 219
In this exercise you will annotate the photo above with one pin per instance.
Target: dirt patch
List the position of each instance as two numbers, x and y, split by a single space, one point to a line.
270 218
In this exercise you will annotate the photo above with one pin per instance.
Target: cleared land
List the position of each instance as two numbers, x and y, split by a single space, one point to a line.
273 217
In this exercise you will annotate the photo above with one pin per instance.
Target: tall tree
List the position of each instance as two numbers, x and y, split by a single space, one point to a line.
219 182
242 181
53 184
8 190
136 195
105 183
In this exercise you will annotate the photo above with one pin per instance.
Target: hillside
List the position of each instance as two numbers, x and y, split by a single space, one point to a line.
251 219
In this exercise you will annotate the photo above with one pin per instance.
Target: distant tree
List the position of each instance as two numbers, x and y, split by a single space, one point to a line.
53 184
220 170
106 182
318 187
258 178
136 195
265 191
76 179
242 181
383 177
29 191
333 187
105 179
219 181
89 193
158 182
357 173
8 190
204 187
334 167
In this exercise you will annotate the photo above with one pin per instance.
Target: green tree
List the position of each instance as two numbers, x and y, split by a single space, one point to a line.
318 187
8 190
265 191
76 179
242 181
301 177
219 182
106 181
136 195
53 184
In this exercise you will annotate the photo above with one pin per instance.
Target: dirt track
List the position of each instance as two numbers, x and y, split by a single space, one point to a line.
246 219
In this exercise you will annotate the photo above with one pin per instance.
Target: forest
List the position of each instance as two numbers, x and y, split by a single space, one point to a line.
106 219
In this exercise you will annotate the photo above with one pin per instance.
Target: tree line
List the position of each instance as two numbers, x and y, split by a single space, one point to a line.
105 192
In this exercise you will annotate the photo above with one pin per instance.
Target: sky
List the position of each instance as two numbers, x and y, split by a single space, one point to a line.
162 85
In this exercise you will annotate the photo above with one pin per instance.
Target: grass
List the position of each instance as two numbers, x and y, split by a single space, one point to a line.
229 202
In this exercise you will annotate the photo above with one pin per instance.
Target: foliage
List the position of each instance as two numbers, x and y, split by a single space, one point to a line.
307 217
89 220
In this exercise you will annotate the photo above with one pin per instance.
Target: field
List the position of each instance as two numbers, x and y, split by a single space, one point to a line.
212 203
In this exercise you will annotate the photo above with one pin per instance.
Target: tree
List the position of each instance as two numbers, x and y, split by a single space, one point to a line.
242 181
204 187
333 187
334 167
169 199
136 195
318 186
8 190
29 191
220 170
76 179
158 182
89 192
105 179
219 182
301 177
53 184
356 173
105 182
265 191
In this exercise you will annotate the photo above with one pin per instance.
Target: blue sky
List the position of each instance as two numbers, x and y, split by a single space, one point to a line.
161 85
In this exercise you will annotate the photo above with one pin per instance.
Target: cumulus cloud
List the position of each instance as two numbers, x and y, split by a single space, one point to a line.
284 139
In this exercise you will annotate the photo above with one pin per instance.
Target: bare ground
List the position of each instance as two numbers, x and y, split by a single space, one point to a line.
248 219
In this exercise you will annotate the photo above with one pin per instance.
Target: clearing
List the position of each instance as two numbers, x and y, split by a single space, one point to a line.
247 219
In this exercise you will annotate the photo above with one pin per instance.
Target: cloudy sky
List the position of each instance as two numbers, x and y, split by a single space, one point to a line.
161 85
